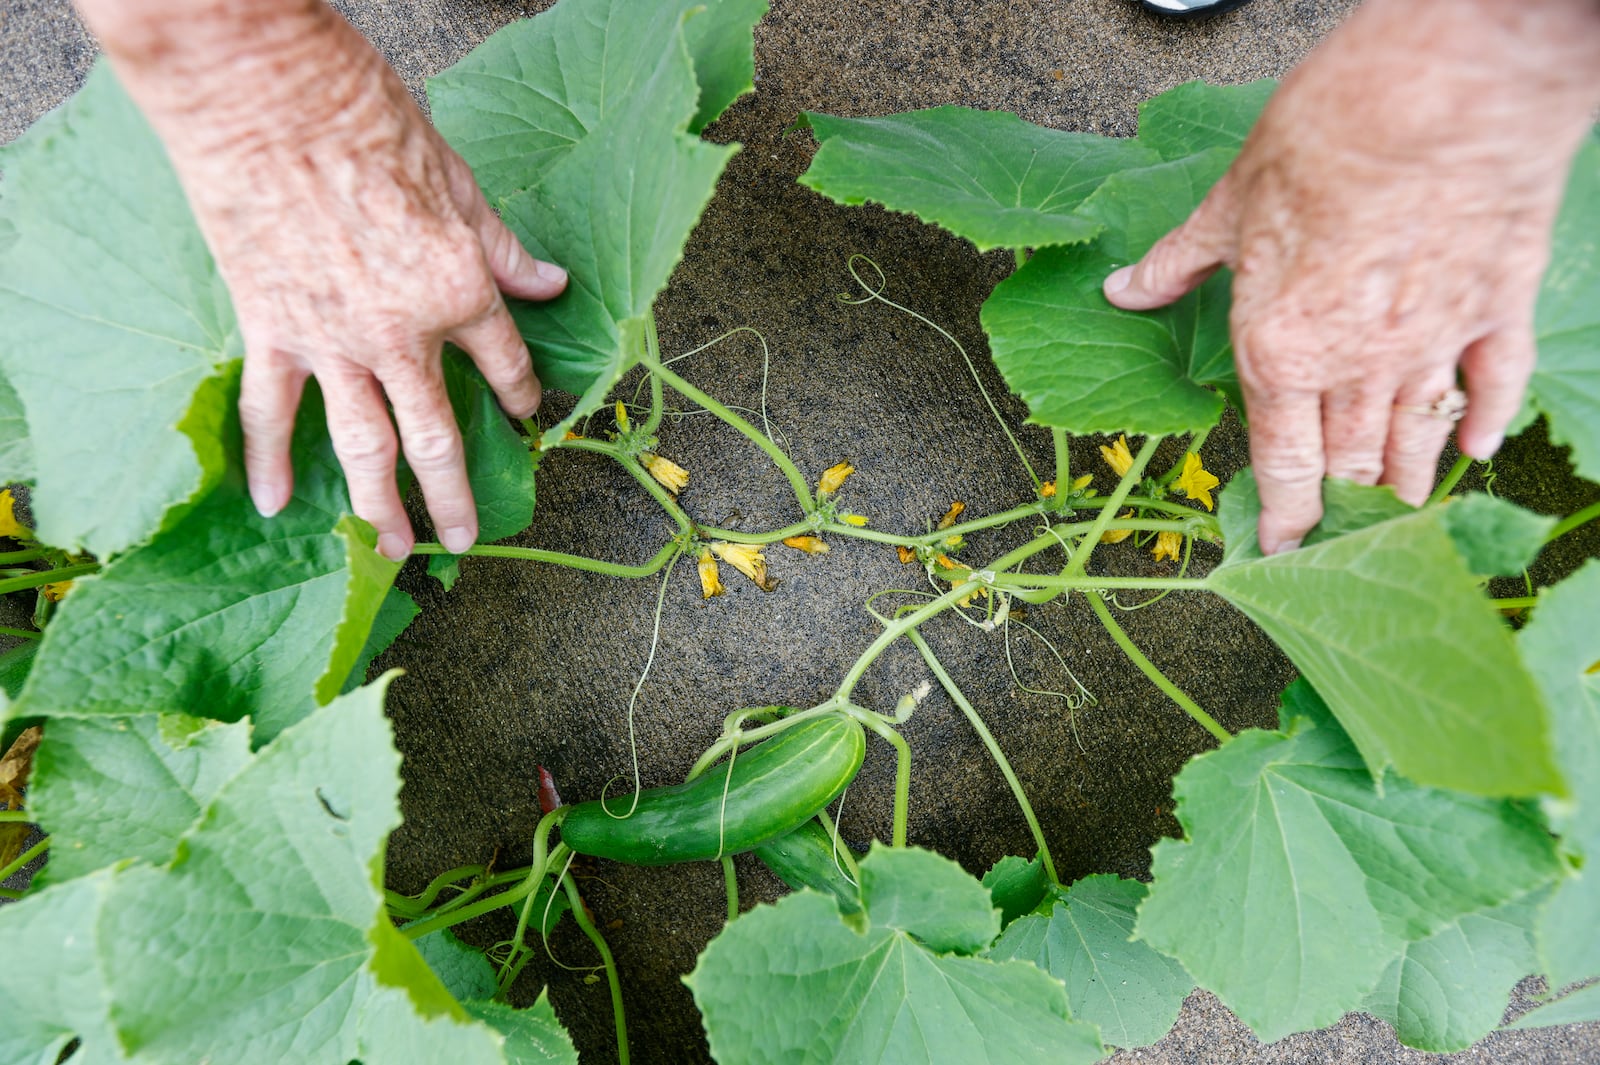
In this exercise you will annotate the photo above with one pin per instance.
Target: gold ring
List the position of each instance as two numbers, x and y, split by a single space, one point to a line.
1451 406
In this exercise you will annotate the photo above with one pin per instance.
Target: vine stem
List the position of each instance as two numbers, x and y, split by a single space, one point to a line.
1573 521
15 817
422 902
21 634
652 357
730 880
1451 479
561 558
22 860
25 555
1051 580
1080 557
529 884
1158 678
47 576
1520 603
896 629
1059 438
995 752
902 772
797 480
638 473
599 941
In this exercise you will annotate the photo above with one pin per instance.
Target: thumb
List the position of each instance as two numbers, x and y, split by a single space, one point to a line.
515 271
1180 261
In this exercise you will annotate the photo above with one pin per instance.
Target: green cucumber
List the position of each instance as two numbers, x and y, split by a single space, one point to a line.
805 859
775 787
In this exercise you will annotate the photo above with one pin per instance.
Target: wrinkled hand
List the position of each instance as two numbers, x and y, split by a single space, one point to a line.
354 243
1388 223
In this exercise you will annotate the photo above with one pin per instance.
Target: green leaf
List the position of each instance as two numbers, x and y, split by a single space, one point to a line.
793 982
446 569
395 613
1138 207
16 449
721 40
1495 537
1296 859
115 318
1566 381
1087 367
1578 1007
229 613
1389 624
987 176
1561 646
1016 885
113 788
463 971
533 1036
498 464
928 896
1195 116
240 951
554 115
1448 991
1083 939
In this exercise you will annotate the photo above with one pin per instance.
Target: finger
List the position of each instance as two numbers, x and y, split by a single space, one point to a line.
363 438
1355 429
1496 368
269 396
515 271
1411 456
1286 454
497 348
1180 261
432 446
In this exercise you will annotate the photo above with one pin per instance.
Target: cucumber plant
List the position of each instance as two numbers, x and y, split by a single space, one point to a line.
218 779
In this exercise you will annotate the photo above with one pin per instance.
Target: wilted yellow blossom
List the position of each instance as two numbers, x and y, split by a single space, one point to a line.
1117 456
1080 483
9 526
858 520
1168 546
1195 481
572 435
811 545
710 579
748 560
966 600
944 561
952 514
907 555
672 476
833 477
1116 536
1047 490
56 591
622 416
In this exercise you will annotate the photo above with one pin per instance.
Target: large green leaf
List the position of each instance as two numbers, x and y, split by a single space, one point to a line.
113 788
229 613
243 951
794 982
555 114
1448 991
1390 625
498 463
1561 645
1578 1007
16 449
1297 862
1088 367
1566 382
533 1035
1081 937
114 318
987 176
1196 116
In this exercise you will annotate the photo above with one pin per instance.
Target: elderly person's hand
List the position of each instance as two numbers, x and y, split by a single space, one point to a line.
353 240
1388 222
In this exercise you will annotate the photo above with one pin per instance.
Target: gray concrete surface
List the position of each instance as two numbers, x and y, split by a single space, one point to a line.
521 665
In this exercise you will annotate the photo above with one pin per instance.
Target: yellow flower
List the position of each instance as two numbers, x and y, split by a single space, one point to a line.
811 545
857 520
748 560
572 435
1195 481
1117 456
1168 545
56 591
1116 536
833 477
710 579
9 526
944 561
1080 483
952 514
1047 490
672 476
622 416
907 555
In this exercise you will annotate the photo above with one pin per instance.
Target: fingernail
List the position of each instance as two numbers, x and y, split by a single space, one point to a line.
268 498
393 547
1119 281
457 539
1286 546
1487 447
551 272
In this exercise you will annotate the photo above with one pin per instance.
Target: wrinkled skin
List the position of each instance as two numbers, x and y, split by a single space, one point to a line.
1388 222
354 242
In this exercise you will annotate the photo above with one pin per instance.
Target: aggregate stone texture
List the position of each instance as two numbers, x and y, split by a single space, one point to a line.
522 665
